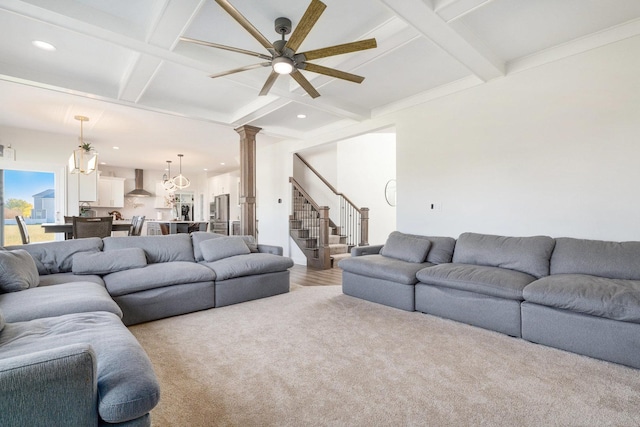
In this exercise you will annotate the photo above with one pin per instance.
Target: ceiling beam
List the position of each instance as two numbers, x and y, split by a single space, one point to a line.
450 10
477 58
170 20
261 107
601 38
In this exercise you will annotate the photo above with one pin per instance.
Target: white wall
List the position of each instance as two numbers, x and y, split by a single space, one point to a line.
553 150
324 159
274 166
365 164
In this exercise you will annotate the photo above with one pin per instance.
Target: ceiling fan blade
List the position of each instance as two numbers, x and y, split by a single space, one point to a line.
235 14
230 48
239 69
305 25
302 81
331 72
339 49
269 83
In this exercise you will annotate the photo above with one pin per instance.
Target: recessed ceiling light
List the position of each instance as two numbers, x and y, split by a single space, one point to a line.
116 148
222 163
205 169
43 45
302 116
103 163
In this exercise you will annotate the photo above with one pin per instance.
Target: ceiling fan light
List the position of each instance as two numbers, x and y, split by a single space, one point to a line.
282 65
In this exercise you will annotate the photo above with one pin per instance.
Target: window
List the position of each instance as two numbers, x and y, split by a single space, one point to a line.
31 194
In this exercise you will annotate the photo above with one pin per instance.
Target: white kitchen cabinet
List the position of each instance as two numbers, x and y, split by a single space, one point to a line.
80 188
110 192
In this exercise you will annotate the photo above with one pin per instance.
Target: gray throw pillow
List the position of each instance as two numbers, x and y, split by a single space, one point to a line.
405 247
109 261
223 247
18 271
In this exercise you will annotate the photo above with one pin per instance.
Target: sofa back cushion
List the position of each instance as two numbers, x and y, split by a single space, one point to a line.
106 262
198 237
441 250
166 248
614 260
18 271
224 247
57 257
526 254
405 247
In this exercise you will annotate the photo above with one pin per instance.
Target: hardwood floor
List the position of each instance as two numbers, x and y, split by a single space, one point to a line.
304 276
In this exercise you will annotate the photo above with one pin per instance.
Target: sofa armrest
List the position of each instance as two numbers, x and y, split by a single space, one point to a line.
366 250
51 387
270 249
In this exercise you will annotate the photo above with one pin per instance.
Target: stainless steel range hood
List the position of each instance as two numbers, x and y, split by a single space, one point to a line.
139 191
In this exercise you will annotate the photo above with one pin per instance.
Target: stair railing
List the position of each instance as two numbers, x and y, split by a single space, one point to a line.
313 218
353 222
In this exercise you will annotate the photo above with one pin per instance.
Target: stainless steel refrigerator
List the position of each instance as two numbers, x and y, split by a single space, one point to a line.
219 214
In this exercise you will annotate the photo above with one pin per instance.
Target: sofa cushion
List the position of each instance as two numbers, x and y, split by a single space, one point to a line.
127 385
1 321
156 276
251 243
616 299
198 237
441 250
49 301
405 247
18 271
223 247
59 278
166 248
108 262
57 257
615 260
492 281
526 254
380 267
248 265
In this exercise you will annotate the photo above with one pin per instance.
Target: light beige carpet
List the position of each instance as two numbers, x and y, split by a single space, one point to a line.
315 357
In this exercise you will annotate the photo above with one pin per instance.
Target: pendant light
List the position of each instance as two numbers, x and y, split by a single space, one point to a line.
83 159
167 182
181 181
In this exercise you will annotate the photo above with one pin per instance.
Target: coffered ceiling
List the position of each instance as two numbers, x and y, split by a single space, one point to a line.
121 63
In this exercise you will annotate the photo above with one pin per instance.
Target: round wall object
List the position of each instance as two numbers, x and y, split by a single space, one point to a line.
390 192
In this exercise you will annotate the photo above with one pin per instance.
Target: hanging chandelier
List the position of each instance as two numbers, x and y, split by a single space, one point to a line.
167 182
83 159
181 181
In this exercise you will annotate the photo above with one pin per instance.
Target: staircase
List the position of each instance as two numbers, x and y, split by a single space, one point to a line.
322 237
304 228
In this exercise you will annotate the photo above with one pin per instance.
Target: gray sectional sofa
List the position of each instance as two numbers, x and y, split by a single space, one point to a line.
66 356
387 274
577 295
